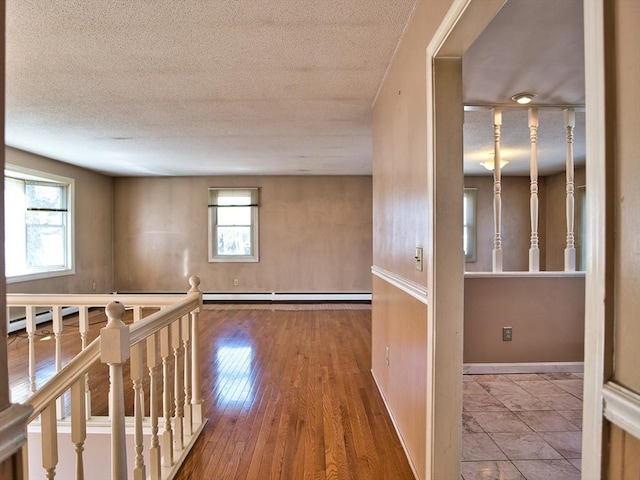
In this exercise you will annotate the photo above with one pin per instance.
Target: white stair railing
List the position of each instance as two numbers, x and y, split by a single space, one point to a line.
170 336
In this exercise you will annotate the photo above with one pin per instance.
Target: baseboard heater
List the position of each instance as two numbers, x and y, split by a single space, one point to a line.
20 323
286 297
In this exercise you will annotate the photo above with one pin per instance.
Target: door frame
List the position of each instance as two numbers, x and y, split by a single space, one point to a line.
465 20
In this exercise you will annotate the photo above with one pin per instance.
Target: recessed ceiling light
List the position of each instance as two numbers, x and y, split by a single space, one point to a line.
523 98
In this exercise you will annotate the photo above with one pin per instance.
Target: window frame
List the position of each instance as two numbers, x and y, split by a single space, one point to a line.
214 256
31 175
471 194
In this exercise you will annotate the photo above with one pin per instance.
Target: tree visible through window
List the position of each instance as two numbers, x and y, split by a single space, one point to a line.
38 233
233 225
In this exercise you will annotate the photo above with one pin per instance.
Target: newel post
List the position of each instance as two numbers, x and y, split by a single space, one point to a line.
196 395
114 350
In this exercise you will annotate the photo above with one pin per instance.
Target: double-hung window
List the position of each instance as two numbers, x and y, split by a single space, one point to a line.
38 224
233 225
469 224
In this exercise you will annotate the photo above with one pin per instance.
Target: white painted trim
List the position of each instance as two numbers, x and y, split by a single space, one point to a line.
287 297
395 426
524 274
595 283
622 407
417 291
13 422
532 367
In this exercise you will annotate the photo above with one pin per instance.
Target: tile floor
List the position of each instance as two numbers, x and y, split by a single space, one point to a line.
522 427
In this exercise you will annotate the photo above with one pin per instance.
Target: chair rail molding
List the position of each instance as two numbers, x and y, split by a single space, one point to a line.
417 291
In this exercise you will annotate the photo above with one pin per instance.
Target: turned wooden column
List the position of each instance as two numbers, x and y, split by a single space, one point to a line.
497 193
570 250
534 249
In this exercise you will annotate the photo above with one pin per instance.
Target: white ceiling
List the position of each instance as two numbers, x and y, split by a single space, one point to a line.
215 87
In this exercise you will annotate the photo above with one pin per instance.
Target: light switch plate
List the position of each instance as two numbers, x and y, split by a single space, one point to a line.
418 258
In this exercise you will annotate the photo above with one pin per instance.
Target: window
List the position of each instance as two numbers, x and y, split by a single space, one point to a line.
233 225
469 224
38 224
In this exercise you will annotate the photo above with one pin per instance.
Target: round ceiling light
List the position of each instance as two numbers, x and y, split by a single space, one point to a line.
523 98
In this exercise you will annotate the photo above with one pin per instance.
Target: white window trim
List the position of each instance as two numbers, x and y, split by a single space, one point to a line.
24 173
255 231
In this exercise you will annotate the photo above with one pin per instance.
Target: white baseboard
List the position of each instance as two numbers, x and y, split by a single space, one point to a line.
21 323
287 297
539 367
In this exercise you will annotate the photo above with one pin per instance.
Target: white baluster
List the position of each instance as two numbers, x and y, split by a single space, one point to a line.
178 392
78 424
167 435
49 429
84 329
115 350
570 251
137 316
137 368
534 249
153 360
30 313
56 313
497 192
186 343
196 389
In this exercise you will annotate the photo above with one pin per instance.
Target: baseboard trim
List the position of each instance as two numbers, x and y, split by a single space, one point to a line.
286 297
395 426
532 367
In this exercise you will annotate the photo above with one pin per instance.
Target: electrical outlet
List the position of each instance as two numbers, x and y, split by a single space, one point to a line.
386 355
235 282
93 286
507 334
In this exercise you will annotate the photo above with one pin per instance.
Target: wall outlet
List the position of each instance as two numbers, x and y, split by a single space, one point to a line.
235 282
507 334
386 355
93 286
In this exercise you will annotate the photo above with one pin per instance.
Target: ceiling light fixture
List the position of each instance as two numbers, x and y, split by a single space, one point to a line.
523 98
488 164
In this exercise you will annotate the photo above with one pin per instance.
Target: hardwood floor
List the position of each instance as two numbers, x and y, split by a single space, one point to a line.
289 395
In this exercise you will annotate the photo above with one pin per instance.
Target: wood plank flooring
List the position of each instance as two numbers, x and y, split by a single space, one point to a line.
289 395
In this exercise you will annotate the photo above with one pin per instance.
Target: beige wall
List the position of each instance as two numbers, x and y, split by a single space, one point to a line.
546 313
401 214
93 221
398 324
626 201
315 235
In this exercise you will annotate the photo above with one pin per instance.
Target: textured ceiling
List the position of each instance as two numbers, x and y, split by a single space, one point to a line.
216 87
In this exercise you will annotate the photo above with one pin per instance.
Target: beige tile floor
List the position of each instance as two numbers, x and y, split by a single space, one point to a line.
522 427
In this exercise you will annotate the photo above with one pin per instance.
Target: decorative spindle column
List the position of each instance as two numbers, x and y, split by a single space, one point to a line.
114 351
153 361
497 192
56 313
167 434
534 249
49 434
78 424
137 373
30 313
84 329
570 251
185 324
196 389
178 389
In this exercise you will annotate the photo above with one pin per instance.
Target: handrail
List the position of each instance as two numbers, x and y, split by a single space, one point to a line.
80 364
91 300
